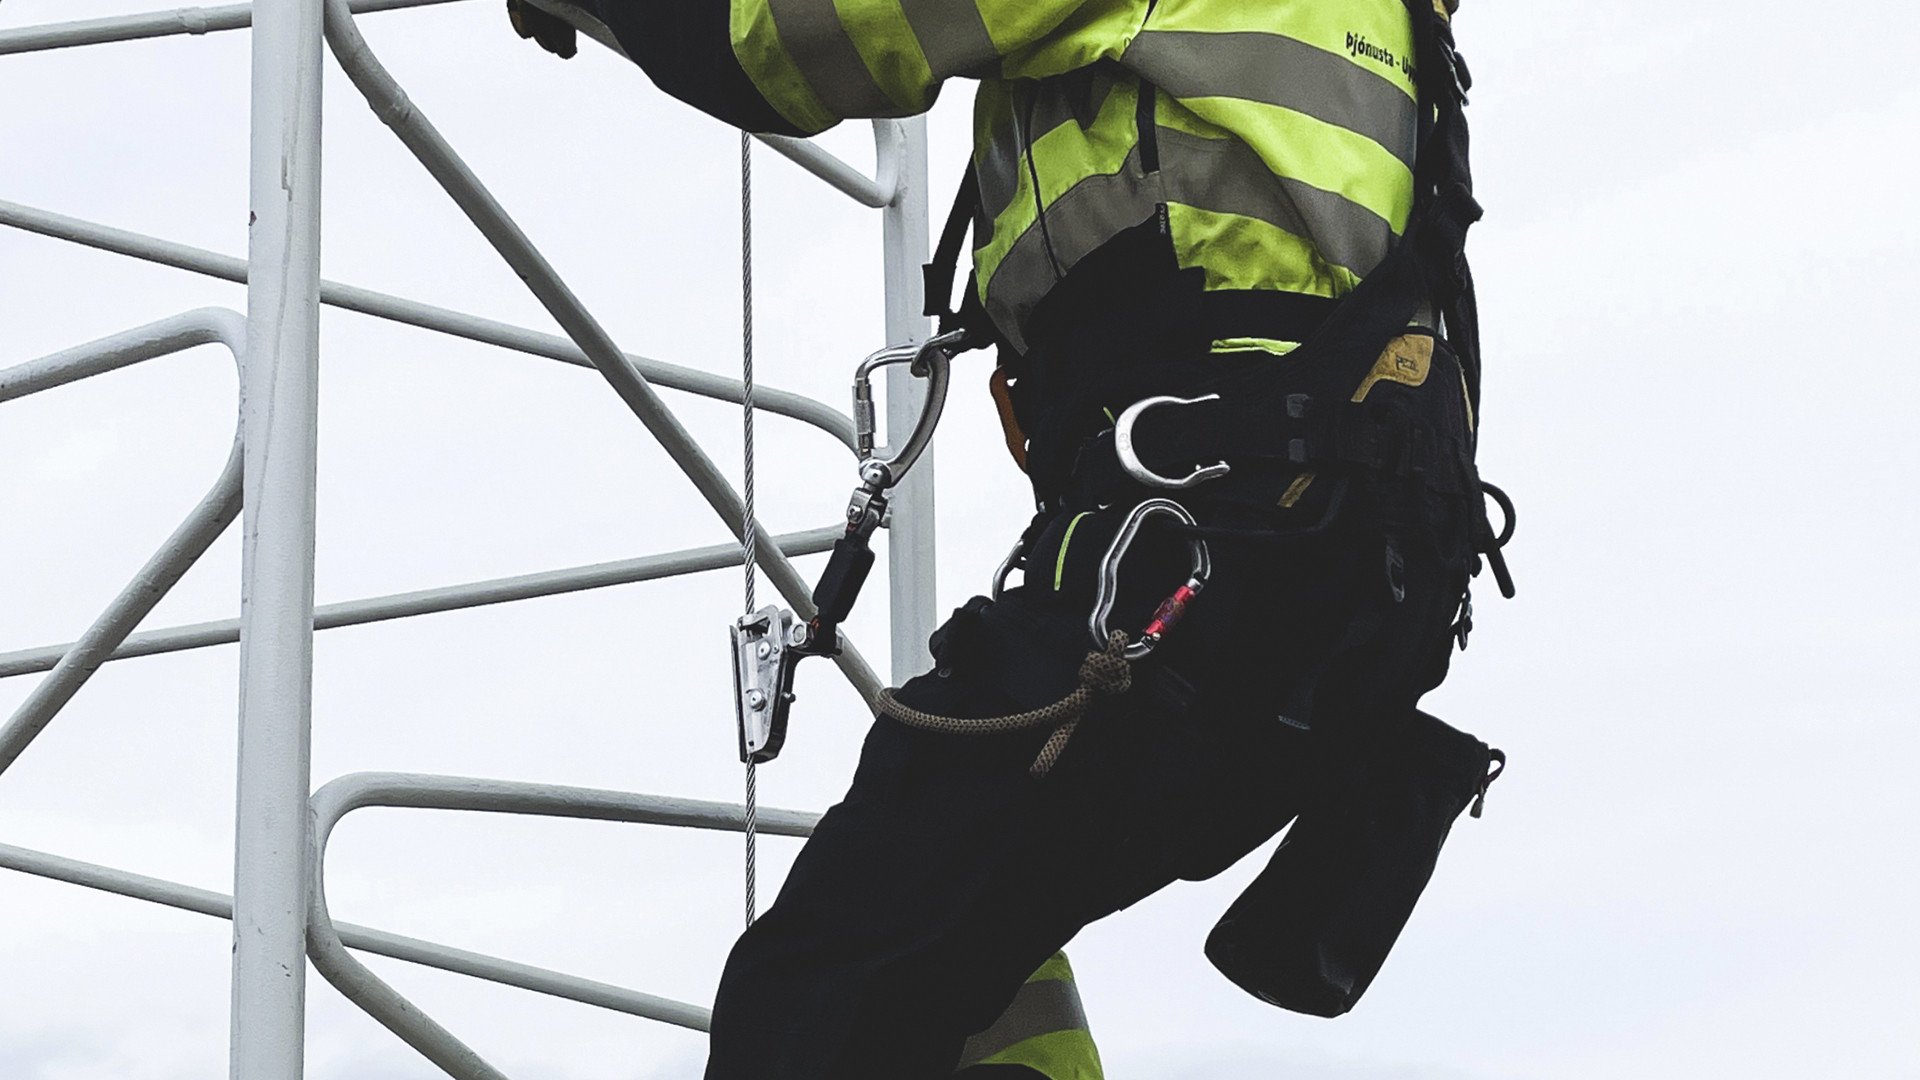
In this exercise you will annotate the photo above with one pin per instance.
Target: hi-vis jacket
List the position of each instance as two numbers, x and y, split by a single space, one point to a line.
1045 1029
1278 135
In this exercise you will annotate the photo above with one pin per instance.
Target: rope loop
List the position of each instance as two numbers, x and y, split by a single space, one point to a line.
1103 672
1108 671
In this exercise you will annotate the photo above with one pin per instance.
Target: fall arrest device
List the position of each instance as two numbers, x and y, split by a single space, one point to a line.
769 644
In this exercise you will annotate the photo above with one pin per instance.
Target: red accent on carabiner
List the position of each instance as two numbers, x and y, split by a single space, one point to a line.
1170 612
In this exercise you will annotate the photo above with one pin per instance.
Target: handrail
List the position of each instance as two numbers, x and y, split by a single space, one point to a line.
208 519
586 344
391 104
366 939
188 20
882 189
426 316
433 601
355 791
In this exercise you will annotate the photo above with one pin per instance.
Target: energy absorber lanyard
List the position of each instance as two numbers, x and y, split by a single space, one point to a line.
770 643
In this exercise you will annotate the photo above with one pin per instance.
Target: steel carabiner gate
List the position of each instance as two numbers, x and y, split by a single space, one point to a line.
1174 607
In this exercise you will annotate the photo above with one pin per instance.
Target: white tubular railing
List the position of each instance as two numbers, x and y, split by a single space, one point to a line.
279 901
383 1003
391 105
432 601
425 316
76 663
328 940
187 20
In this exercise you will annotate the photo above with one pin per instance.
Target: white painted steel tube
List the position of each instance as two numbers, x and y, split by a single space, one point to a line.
391 104
451 793
910 539
426 316
202 326
398 946
447 598
210 518
168 565
342 796
281 425
875 191
189 20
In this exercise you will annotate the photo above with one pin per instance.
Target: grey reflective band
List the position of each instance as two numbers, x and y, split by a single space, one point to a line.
952 36
1277 70
998 166
1228 177
1040 1008
1059 102
1069 99
1087 215
1223 176
813 36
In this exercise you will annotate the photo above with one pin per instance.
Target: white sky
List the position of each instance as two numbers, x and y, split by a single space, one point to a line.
1697 273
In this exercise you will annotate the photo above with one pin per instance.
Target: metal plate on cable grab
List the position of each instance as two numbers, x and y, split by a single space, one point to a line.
763 663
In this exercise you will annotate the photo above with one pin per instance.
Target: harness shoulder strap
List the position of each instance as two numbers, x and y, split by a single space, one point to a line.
938 274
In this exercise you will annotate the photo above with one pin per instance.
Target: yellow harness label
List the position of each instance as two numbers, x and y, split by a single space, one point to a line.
1407 360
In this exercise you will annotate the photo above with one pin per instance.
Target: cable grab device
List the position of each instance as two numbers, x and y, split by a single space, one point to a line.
769 644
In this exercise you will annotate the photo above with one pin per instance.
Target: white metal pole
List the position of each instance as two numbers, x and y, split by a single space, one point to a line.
910 550
280 391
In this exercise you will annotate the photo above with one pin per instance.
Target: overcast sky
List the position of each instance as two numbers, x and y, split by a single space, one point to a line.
1697 273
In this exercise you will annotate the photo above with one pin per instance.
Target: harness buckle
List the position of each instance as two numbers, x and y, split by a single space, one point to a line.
1174 607
1123 447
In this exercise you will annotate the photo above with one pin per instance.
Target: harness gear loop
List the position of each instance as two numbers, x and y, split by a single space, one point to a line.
1104 671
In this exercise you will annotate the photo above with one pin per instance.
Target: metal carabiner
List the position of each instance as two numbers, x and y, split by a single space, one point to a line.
1130 458
1174 607
929 359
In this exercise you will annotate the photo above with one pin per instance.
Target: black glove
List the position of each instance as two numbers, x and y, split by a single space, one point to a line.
554 34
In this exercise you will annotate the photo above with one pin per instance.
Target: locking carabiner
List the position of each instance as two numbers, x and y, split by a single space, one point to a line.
1174 607
770 643
930 359
1130 458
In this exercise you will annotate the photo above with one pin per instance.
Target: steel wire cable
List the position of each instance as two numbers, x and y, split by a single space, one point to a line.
748 541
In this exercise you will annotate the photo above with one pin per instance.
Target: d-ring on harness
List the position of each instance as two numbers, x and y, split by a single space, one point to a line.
1123 447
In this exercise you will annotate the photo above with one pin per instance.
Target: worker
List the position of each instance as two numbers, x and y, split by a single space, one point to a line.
1218 245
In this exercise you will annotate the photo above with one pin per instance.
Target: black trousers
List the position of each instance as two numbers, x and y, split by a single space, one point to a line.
947 874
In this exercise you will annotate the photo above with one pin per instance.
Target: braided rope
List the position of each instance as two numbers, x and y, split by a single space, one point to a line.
1102 672
749 539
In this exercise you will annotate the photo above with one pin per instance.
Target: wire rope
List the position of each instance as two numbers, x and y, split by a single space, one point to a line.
750 527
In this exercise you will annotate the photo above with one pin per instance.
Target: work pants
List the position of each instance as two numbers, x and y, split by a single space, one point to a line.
948 873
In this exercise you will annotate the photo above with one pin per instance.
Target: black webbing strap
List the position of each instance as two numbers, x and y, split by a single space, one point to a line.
939 273
1301 412
1428 263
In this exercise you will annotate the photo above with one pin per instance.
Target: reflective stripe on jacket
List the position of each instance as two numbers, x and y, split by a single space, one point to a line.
1278 135
1044 1029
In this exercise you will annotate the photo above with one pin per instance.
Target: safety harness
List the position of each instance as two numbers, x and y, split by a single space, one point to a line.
1256 425
1262 423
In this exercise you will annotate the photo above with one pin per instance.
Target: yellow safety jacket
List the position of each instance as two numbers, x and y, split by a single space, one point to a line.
1044 1029
1273 138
